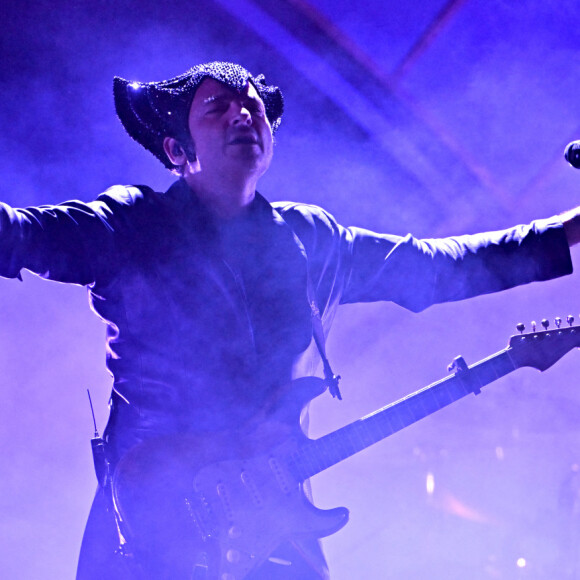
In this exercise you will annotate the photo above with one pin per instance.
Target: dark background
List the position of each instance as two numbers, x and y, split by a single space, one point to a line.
432 117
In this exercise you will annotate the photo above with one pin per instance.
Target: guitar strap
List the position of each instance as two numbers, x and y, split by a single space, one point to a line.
331 379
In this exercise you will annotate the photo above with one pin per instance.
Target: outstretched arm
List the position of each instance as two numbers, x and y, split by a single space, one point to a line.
571 221
355 265
71 242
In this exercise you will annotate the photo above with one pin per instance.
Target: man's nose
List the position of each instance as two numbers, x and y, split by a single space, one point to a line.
242 116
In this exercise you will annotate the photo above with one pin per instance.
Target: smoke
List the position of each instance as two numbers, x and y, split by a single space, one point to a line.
499 78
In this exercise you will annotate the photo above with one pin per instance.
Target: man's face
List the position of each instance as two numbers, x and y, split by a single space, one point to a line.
230 129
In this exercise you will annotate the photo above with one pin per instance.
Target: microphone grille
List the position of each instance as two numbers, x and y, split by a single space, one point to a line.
572 154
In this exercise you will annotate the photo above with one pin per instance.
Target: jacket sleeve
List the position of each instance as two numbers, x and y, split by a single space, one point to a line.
71 242
418 273
356 265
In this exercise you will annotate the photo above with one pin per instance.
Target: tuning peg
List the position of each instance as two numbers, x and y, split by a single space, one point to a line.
558 321
520 327
570 319
533 326
545 323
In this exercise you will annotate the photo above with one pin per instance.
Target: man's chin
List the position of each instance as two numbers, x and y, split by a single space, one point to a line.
245 151
250 154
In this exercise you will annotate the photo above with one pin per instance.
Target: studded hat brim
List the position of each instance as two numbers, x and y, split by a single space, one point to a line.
149 112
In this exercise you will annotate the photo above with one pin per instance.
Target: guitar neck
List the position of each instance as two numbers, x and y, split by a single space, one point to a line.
320 454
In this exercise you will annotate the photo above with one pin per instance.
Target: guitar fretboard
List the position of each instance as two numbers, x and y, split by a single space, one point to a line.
320 454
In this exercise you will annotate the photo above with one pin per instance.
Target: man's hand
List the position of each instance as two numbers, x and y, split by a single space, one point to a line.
571 221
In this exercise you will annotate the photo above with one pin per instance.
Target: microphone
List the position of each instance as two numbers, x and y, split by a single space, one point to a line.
572 154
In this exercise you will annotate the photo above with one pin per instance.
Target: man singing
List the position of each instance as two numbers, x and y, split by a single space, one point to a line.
215 300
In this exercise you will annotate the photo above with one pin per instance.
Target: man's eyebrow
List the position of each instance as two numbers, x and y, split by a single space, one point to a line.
218 97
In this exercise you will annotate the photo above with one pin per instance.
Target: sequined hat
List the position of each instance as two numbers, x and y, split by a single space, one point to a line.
152 111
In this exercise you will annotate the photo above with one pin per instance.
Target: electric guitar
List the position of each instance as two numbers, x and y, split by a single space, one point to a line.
215 508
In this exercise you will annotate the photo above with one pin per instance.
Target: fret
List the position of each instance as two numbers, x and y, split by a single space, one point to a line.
394 419
442 397
374 429
330 446
350 443
457 390
416 408
383 426
303 463
404 413
430 401
340 442
494 368
390 427
363 431
325 452
358 430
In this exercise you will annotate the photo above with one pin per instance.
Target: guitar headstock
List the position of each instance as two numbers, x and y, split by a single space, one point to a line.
541 349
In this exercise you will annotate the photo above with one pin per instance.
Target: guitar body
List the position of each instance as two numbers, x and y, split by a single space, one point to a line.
214 508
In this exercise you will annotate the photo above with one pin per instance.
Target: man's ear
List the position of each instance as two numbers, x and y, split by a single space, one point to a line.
174 151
